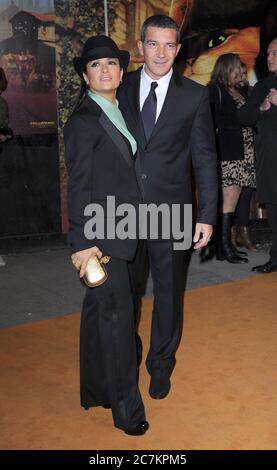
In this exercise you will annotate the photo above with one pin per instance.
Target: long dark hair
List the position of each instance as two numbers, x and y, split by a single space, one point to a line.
81 95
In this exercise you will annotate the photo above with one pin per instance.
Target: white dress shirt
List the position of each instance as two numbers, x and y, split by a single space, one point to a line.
161 90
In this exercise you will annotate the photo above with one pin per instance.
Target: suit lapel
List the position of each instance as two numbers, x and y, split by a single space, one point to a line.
116 137
111 130
133 99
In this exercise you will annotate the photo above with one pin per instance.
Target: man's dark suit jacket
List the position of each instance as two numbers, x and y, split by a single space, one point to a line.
265 124
183 134
100 164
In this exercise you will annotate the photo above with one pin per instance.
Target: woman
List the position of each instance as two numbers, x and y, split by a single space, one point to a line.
235 146
99 153
240 230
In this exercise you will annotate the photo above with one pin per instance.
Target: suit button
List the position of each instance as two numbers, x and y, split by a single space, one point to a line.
143 176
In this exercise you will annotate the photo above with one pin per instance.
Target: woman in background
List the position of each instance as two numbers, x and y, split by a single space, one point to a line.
240 230
235 147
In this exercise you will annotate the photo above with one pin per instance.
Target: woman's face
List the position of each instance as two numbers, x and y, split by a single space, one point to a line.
235 76
243 79
103 76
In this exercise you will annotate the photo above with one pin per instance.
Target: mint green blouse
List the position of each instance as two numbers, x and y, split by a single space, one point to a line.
114 114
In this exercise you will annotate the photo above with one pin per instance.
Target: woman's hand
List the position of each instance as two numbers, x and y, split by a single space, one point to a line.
80 258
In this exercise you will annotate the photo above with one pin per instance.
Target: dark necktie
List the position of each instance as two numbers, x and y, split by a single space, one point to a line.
149 110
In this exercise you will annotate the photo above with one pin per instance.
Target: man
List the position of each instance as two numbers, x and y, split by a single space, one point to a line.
260 111
181 133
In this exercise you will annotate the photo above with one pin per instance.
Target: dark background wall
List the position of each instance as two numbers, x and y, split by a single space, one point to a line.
43 88
29 186
29 164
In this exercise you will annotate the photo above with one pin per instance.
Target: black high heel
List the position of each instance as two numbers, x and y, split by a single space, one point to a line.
225 248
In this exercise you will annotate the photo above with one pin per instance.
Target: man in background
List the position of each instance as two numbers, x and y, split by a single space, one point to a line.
260 111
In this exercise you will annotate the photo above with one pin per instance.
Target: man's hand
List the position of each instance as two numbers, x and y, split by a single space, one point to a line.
272 96
202 235
80 258
266 105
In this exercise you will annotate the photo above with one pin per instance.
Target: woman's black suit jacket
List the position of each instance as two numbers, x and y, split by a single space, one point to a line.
229 137
100 164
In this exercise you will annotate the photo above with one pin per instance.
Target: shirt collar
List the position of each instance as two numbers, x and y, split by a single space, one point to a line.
163 82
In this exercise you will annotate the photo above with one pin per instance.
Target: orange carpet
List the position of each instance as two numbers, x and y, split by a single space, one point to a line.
223 387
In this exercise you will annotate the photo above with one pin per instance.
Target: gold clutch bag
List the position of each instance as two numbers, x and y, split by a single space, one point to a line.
96 273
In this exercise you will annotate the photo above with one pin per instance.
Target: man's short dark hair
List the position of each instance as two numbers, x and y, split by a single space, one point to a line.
159 21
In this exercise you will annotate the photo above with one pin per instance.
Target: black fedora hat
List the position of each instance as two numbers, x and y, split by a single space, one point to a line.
98 47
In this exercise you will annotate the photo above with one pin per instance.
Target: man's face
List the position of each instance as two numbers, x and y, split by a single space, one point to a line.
159 49
272 56
244 42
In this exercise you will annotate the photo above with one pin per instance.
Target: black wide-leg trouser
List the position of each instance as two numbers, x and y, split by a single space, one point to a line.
108 358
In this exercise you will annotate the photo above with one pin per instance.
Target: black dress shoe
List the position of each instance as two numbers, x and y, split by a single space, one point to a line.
269 267
138 430
159 386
